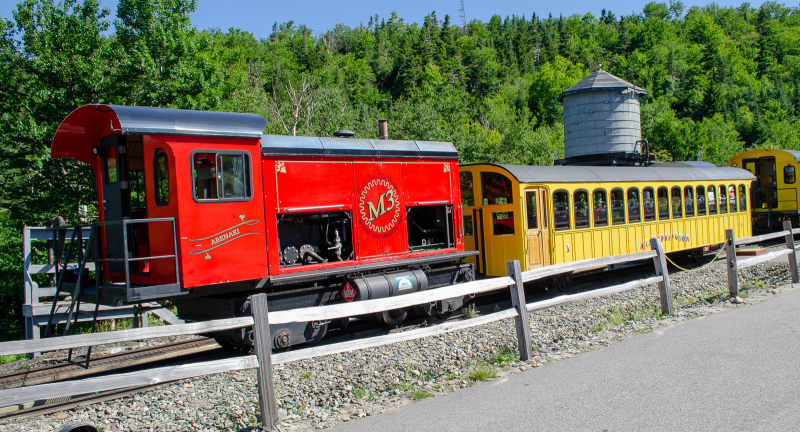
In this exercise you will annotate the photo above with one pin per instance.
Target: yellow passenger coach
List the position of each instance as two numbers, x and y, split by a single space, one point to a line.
774 195
545 215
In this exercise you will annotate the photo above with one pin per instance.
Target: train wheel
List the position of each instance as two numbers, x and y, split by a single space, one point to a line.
395 317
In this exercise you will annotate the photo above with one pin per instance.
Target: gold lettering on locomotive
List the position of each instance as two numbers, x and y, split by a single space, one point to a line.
378 207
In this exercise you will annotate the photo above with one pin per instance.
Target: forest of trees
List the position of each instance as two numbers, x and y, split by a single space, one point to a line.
719 80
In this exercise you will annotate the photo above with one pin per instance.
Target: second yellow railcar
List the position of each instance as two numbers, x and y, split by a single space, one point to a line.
545 215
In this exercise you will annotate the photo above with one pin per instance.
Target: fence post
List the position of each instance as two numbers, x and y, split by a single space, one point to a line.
787 225
263 348
730 253
521 320
660 264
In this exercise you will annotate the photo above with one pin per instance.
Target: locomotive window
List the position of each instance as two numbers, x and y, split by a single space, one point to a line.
503 223
742 198
496 188
723 199
712 200
688 200
430 227
617 207
136 185
561 210
111 165
581 209
634 207
468 226
530 204
221 176
677 211
161 181
649 201
788 174
701 200
732 198
600 207
663 203
467 192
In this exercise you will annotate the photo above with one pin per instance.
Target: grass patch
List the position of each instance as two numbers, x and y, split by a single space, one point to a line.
470 311
505 354
306 375
644 330
482 372
597 328
420 394
363 393
615 317
450 377
11 358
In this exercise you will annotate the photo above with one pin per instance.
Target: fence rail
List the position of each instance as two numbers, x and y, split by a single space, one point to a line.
261 319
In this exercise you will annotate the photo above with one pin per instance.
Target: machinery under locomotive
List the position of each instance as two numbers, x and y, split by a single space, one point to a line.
202 209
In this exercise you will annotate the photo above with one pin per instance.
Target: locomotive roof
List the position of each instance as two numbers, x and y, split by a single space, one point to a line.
321 146
593 174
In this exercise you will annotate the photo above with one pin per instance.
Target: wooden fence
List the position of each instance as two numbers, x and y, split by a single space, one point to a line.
261 319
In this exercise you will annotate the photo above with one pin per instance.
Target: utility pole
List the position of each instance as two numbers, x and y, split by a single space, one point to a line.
463 12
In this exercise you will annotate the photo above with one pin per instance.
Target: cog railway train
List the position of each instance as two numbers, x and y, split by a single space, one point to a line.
202 209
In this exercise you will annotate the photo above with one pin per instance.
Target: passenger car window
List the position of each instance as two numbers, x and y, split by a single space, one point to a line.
221 176
712 200
789 176
688 200
561 210
467 190
634 212
663 203
732 198
530 204
503 223
496 188
723 199
617 207
649 203
742 198
581 209
677 211
600 206
701 201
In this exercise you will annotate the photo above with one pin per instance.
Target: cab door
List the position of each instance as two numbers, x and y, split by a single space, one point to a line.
537 232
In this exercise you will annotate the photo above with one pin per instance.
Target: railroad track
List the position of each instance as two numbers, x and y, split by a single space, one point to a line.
174 352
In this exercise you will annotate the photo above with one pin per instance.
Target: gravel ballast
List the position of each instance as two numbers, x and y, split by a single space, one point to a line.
321 392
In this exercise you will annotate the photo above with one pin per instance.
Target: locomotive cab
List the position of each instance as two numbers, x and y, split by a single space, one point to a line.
142 188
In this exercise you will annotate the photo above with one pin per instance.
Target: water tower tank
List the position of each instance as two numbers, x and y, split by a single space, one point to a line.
601 118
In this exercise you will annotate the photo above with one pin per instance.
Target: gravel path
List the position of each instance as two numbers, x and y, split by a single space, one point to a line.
317 393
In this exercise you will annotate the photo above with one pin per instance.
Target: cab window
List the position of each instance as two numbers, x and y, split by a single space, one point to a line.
688 200
467 195
712 200
649 203
663 203
742 198
161 177
677 210
600 207
723 199
221 176
503 223
581 209
561 210
617 207
701 201
468 226
634 212
496 188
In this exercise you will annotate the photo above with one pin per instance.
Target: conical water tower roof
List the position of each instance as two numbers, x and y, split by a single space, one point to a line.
598 81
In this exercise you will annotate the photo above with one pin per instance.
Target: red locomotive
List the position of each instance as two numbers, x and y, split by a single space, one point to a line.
201 208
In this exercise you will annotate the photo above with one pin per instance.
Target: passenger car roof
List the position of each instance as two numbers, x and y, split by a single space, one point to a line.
598 174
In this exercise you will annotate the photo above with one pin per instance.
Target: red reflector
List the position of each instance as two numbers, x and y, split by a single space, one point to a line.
348 292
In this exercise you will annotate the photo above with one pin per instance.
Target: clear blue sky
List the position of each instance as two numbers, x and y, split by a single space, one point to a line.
257 16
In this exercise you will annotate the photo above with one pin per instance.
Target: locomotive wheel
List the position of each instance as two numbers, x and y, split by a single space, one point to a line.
395 317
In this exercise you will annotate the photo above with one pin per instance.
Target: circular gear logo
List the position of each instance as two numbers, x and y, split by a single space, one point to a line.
379 207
